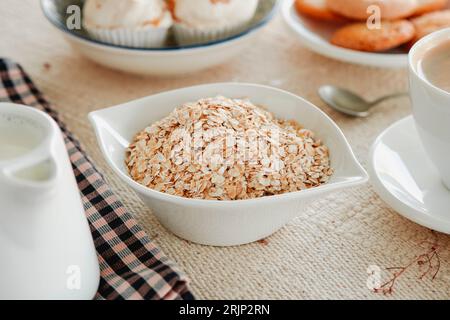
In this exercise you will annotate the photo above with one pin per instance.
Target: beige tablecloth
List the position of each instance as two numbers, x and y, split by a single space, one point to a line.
326 250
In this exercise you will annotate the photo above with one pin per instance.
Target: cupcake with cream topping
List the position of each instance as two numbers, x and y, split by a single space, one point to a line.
200 21
134 23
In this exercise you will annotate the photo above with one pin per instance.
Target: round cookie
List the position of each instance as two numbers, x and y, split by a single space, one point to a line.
357 9
430 22
425 6
357 36
317 9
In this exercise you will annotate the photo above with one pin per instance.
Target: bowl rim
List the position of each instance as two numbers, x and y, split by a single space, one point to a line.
324 48
261 23
353 180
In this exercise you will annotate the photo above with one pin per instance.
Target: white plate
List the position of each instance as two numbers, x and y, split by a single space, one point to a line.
406 179
315 35
215 222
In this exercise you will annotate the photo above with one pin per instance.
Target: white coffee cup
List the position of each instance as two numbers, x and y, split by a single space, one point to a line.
431 106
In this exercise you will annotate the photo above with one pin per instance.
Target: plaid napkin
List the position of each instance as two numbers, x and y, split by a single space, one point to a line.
131 265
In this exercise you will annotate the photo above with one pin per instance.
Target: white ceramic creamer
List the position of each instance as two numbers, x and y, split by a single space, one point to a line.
46 248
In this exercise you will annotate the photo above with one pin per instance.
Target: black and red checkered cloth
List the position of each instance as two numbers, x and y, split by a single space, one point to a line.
131 265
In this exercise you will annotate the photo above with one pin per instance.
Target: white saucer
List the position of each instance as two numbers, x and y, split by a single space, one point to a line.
406 179
315 35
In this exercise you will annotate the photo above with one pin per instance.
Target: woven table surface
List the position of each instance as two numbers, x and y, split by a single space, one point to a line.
322 254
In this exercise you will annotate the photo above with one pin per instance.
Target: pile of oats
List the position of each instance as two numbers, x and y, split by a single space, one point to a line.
226 149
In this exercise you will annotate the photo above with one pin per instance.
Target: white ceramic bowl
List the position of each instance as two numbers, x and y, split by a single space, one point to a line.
166 61
315 36
215 222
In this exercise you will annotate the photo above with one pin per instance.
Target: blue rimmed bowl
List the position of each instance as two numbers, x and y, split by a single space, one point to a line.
165 61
